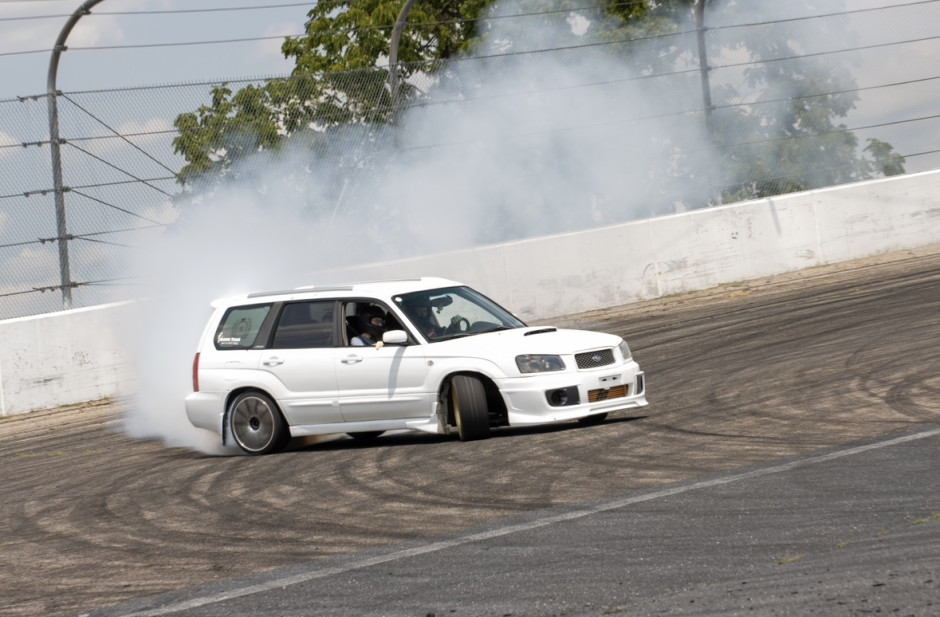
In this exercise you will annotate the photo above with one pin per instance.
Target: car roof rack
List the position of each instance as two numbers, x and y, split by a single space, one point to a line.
336 287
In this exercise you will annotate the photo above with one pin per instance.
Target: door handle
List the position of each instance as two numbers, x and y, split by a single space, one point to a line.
352 359
272 361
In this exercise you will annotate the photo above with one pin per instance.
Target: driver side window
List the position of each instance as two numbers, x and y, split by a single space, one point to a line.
366 322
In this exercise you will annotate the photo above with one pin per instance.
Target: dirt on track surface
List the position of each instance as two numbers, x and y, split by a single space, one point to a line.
737 375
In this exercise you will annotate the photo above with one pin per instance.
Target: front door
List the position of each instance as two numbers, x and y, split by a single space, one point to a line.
385 383
382 384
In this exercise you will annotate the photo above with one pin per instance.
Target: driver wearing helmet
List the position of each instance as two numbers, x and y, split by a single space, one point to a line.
419 310
370 323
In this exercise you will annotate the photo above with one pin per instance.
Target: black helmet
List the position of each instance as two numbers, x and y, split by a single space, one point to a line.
412 304
365 318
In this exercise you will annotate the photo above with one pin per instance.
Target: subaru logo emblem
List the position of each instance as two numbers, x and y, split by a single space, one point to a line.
596 357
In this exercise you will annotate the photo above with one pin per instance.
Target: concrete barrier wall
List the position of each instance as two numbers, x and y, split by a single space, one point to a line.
63 358
75 356
570 273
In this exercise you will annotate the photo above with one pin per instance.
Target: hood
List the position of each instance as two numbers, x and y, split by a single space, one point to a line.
528 340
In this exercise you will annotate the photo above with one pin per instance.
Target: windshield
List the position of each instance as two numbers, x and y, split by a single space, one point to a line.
442 314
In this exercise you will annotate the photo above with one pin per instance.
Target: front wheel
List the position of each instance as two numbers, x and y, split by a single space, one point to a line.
256 424
471 413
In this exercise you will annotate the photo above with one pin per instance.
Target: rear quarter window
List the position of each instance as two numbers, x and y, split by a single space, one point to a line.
240 326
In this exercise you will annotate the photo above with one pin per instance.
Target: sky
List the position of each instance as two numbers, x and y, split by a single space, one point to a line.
119 23
115 24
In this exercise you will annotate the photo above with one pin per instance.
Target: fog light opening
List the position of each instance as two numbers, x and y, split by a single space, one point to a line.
563 397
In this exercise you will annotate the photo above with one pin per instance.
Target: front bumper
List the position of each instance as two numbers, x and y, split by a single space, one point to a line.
529 400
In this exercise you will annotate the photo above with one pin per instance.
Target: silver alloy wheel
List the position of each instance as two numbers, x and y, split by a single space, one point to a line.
256 424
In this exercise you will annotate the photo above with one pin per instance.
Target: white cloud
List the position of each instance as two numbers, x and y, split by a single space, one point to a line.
151 39
33 263
102 30
266 55
30 26
147 126
18 34
7 140
141 133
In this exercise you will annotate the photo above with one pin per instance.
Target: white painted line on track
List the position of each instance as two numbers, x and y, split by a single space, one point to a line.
432 547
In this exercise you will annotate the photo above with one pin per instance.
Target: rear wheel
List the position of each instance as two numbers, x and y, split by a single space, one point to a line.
468 397
256 424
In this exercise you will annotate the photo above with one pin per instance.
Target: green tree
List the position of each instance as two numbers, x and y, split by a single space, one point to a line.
338 79
227 129
886 161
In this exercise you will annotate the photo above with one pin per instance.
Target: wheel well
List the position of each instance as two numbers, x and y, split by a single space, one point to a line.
496 406
228 407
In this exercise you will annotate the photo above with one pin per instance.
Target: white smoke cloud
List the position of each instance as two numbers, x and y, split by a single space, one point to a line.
237 241
540 148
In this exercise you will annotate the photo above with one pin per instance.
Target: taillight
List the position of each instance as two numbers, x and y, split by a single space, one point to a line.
196 373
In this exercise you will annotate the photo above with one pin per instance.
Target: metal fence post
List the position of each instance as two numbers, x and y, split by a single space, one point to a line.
393 77
703 65
55 143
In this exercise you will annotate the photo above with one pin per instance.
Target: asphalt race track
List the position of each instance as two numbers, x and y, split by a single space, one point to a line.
787 464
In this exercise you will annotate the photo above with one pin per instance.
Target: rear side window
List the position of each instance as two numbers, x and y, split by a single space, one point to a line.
240 326
304 325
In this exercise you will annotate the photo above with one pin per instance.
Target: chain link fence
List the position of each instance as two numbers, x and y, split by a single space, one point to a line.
664 117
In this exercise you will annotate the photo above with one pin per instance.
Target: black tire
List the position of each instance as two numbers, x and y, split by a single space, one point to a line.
594 419
365 435
468 397
256 424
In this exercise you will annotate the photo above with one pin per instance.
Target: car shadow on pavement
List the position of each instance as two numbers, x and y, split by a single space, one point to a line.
409 438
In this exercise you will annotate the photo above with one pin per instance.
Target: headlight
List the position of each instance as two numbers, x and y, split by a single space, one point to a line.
625 350
538 363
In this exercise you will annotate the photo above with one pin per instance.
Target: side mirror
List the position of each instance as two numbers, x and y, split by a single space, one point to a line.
395 337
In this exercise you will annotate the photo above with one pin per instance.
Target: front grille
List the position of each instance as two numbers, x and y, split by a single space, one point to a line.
594 359
605 394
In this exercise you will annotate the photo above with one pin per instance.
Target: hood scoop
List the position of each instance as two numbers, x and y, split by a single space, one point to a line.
541 331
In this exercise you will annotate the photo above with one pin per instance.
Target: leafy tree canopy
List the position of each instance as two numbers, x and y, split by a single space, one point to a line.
341 78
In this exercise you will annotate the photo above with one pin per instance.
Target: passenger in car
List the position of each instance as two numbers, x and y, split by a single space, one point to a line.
370 323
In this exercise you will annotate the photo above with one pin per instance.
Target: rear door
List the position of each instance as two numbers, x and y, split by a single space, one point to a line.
300 359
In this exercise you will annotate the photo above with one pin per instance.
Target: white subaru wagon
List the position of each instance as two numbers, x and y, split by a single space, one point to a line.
426 354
